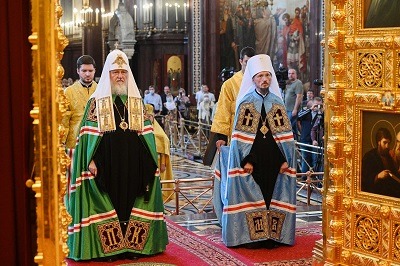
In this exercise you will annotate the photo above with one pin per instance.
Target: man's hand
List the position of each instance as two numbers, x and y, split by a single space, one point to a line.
162 168
248 168
220 143
384 174
284 167
93 168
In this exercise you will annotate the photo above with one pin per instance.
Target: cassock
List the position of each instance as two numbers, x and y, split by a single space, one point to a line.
262 205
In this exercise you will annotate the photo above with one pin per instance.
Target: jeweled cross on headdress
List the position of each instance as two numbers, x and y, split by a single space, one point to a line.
119 61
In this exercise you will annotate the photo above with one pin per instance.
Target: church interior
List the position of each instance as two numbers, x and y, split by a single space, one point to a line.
341 52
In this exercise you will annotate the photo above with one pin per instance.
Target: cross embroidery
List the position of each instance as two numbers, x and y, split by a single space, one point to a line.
119 61
248 118
278 119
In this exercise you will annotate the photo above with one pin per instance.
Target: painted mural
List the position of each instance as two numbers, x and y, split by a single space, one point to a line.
277 28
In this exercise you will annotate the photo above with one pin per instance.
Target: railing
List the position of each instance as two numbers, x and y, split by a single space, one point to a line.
314 178
188 136
183 187
310 184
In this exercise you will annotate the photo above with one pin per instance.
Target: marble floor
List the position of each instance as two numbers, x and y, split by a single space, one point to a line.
308 211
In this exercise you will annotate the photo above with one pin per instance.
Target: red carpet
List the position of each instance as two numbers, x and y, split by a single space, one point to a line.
187 248
299 254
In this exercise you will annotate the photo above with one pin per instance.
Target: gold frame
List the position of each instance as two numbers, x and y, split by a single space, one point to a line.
48 43
361 64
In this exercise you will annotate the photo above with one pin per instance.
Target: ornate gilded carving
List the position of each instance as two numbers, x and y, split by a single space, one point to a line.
347 149
337 122
350 70
362 72
396 242
336 225
330 201
337 69
338 2
346 255
370 69
331 150
366 207
336 174
349 42
395 213
370 98
397 73
348 231
331 97
338 16
362 259
347 203
349 97
367 234
348 186
385 211
332 43
350 21
350 123
373 42
50 158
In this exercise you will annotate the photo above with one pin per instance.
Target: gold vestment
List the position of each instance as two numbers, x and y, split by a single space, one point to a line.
163 150
225 112
77 96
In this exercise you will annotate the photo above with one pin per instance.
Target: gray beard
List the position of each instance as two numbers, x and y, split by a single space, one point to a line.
119 89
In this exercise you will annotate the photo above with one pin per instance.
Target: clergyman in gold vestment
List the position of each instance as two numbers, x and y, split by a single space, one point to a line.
225 112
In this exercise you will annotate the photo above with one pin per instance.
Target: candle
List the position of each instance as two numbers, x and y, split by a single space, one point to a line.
135 14
184 11
176 12
166 11
82 15
102 10
144 13
90 15
151 12
75 15
147 13
97 16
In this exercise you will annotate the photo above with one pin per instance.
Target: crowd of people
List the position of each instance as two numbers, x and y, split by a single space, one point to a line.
119 153
178 106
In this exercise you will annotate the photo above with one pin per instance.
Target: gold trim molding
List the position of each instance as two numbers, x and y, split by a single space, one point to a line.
362 68
49 184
